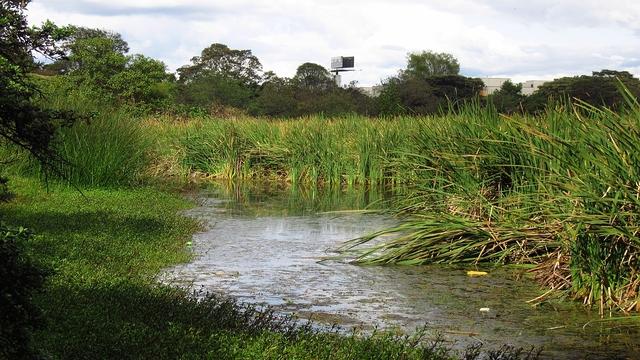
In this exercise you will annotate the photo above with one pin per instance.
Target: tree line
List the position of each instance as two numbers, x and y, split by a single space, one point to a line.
221 79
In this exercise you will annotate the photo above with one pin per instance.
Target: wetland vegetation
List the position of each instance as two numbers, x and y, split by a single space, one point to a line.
98 150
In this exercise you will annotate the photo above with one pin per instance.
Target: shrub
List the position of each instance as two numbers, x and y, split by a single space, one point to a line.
20 277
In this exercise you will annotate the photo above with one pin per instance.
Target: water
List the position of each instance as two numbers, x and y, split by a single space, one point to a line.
271 246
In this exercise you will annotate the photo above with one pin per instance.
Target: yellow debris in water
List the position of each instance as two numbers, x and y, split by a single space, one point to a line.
473 273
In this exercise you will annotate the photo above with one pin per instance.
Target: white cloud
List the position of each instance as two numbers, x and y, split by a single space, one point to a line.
534 39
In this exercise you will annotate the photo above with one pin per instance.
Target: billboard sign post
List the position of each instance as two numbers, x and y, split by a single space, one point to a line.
341 64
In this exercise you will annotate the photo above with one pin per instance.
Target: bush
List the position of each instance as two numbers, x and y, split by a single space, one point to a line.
20 277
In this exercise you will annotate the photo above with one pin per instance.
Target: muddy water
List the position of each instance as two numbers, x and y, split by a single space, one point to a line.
268 246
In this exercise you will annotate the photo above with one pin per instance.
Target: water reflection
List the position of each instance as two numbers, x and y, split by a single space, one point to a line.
264 245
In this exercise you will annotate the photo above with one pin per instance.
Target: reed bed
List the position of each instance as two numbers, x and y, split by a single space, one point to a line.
560 191
312 151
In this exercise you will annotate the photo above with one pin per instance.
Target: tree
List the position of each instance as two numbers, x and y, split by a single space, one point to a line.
612 73
455 87
119 45
220 60
143 80
276 98
215 89
425 95
32 128
93 61
97 63
429 63
21 121
313 77
79 35
220 76
508 99
429 83
599 89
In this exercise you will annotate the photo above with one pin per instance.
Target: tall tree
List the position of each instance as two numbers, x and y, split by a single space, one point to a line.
21 121
143 80
429 63
314 77
599 89
81 37
220 60
508 99
32 128
94 61
118 43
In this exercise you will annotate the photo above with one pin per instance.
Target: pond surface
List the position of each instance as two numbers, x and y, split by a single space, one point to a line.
271 246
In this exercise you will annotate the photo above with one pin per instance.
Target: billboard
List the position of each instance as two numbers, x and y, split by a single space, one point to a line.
342 62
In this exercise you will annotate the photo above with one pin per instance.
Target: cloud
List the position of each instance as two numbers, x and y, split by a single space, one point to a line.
489 37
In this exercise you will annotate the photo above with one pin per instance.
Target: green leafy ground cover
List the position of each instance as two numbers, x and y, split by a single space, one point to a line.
102 300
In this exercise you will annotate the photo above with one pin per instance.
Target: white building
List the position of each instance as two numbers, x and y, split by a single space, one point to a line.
491 85
529 86
372 91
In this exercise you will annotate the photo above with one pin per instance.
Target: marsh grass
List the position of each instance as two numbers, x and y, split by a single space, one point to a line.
561 187
310 151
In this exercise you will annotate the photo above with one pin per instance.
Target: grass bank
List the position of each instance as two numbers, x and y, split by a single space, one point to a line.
105 249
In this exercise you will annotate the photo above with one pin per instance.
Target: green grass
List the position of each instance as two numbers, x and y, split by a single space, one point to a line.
103 301
310 151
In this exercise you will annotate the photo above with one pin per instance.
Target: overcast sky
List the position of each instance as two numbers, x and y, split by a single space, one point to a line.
535 39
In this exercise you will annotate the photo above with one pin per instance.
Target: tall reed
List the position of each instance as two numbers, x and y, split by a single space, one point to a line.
560 190
342 151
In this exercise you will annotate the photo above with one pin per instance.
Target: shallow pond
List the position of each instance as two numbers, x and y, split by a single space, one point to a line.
270 246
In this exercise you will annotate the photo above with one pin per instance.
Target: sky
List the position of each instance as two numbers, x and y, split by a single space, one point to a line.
522 40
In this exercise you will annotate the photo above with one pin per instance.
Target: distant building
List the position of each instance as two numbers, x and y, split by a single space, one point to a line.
372 91
529 86
491 85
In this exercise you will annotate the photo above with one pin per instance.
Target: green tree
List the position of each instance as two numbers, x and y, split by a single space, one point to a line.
455 87
143 80
508 99
428 63
623 75
220 60
313 77
21 121
97 62
78 34
215 90
599 89
93 61
276 98
414 95
429 83
220 76
119 45
31 127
